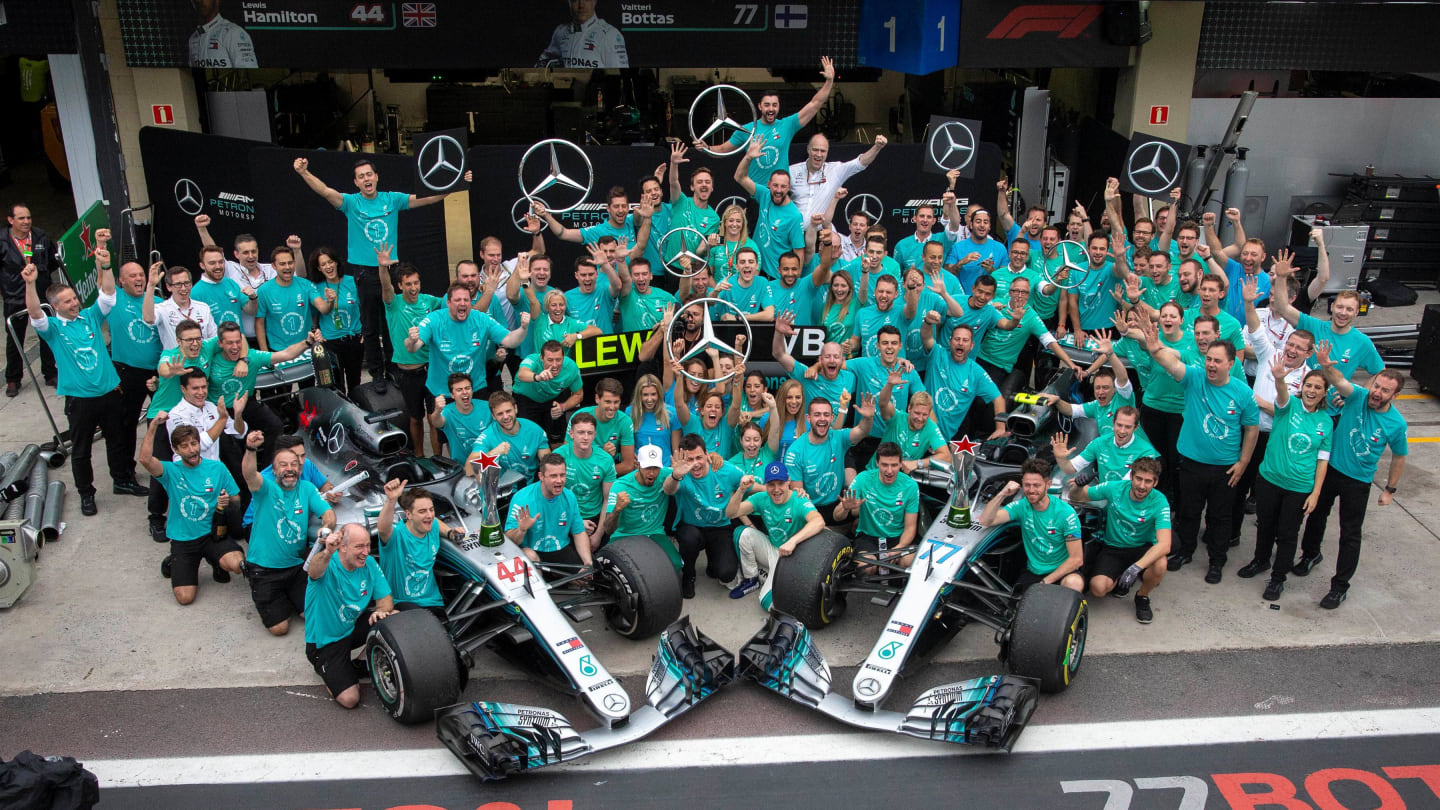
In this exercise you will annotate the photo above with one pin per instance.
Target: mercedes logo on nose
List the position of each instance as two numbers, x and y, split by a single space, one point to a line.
952 145
867 204
614 702
440 163
867 687
1153 168
189 196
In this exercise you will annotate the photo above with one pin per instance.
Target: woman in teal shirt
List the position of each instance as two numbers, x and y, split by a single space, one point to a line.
839 313
1297 456
555 324
734 235
754 454
338 304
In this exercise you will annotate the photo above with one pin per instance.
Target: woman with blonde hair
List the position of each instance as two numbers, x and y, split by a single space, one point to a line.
789 417
655 422
733 236
549 321
839 313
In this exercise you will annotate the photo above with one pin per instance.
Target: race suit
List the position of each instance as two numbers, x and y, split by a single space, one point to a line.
221 44
591 44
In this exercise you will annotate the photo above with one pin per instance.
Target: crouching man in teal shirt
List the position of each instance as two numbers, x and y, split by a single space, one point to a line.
345 595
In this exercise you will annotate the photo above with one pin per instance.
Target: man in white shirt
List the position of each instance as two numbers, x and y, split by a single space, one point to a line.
813 182
219 43
168 314
210 419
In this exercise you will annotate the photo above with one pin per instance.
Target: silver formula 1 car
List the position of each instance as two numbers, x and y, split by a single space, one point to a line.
959 576
497 598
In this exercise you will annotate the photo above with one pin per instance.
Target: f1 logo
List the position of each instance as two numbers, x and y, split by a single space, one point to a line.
1065 21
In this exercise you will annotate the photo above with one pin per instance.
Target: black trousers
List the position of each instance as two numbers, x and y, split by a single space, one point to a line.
493 382
14 362
376 339
1278 512
159 502
1163 428
1248 482
539 413
85 414
1204 488
718 543
133 394
1008 380
346 354
1354 498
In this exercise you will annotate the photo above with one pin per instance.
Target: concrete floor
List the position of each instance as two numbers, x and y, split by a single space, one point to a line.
101 618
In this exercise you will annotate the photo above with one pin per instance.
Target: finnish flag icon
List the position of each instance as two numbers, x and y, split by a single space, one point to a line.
790 15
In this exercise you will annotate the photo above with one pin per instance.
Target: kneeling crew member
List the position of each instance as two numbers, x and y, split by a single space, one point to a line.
1137 535
887 503
408 548
350 584
545 520
1049 528
790 519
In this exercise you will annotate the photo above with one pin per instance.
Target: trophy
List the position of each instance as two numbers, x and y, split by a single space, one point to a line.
488 493
962 461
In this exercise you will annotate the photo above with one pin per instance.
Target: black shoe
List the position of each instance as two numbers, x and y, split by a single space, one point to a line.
1306 565
1333 599
50 380
1177 561
1249 506
220 575
1234 541
1143 613
157 529
1273 589
1214 574
12 389
87 506
165 565
131 487
361 668
687 587
1253 568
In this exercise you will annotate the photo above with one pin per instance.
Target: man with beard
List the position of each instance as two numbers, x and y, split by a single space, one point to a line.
404 312
870 266
634 230
200 487
87 378
1243 261
1049 528
1158 284
135 348
344 581
693 211
1187 239
1351 350
885 503
1030 229
21 245
1368 424
816 460
246 270
168 314
211 420
800 294
638 503
459 337
464 419
772 134
955 381
1137 536
1217 437
831 382
283 314
165 395
779 226
544 519
308 472
814 181
278 537
543 379
408 548
642 305
614 430
883 313
218 291
1112 452
1111 387
789 519
518 443
1092 304
1005 353
372 220
232 370
1048 300
700 493
1211 294
977 254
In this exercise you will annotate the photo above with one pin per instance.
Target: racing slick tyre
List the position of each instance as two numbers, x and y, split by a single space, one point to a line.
413 665
646 588
1047 637
806 583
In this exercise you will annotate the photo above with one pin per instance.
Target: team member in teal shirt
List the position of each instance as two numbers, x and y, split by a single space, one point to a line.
408 548
218 291
800 295
402 312
700 494
283 314
1369 422
591 303
1049 528
199 488
887 505
750 294
1292 473
345 594
1112 452
1137 535
338 304
817 458
955 381
464 419
779 226
1218 435
642 305
540 383
589 474
518 443
614 430
789 518
372 222
874 374
638 502
135 348
460 338
87 377
773 133
278 537
544 519
1351 349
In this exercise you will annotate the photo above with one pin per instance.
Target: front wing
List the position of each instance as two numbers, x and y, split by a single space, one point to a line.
989 711
495 740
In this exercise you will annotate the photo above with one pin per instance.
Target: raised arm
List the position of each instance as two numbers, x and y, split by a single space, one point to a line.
1165 356
144 454
147 298
1332 374
1002 207
1322 266
868 156
302 168
812 107
742 169
866 408
784 327
248 469
1282 273
556 226
677 156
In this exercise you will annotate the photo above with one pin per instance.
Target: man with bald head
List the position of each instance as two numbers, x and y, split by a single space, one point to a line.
813 181
345 594
135 349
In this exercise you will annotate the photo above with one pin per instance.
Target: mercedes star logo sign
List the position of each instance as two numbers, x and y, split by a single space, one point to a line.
614 702
441 162
867 687
1074 266
675 262
867 204
1153 167
189 196
952 145
518 210
551 148
734 199
722 124
708 339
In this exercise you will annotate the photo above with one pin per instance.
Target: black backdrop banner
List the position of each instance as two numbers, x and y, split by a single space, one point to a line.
250 187
289 206
894 178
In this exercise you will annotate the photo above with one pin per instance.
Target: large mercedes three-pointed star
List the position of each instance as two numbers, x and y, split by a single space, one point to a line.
945 138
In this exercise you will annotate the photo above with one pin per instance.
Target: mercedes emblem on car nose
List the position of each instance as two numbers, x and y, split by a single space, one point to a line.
867 687
614 702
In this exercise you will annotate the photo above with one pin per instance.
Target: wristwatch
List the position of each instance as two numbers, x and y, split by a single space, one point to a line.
1390 490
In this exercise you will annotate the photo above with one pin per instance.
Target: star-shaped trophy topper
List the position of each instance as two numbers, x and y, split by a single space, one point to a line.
487 461
963 446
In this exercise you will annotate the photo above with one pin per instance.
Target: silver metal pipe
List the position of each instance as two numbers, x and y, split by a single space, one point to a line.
34 507
15 510
6 459
17 477
50 514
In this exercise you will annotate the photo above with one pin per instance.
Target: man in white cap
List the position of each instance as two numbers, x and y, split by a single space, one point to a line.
790 519
637 503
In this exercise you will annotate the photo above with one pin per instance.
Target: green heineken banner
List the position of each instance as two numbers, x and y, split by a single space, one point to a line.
77 251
